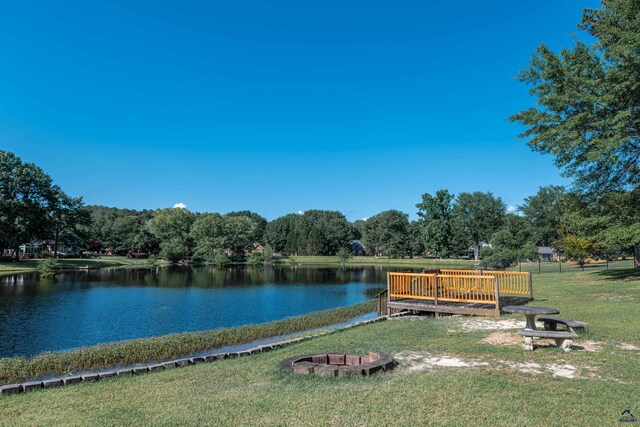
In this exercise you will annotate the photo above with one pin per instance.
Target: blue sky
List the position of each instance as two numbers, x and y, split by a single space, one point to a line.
276 107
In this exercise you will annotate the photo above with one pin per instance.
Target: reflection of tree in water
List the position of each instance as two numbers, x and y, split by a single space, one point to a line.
197 277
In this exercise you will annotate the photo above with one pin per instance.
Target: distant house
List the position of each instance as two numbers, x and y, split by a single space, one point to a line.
36 248
258 247
357 248
547 254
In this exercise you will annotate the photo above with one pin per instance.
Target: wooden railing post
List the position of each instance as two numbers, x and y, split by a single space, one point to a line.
435 288
496 290
388 310
530 285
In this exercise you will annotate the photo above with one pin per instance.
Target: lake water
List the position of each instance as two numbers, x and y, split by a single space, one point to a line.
83 308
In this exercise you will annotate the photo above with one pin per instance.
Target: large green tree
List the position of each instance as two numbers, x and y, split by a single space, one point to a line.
387 233
514 242
588 101
172 227
66 218
437 221
545 210
478 216
31 206
239 233
207 233
314 232
259 224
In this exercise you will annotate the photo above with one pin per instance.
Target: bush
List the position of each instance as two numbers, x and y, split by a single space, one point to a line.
173 251
48 268
221 259
256 258
267 254
343 255
145 350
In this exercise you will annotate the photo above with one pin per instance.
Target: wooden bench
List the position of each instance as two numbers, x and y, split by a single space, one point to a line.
563 339
575 326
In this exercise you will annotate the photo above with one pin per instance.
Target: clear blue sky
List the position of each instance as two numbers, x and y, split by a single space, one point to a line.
276 107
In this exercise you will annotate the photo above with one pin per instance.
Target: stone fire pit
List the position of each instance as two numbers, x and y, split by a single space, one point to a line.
338 364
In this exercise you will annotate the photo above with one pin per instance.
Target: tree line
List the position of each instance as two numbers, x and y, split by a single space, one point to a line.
448 225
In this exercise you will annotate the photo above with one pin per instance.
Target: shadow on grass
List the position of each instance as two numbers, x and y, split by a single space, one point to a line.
621 274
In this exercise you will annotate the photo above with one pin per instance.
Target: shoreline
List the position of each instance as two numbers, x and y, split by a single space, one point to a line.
167 347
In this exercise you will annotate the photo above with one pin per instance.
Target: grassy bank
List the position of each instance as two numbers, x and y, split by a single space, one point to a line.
24 266
382 261
493 382
144 350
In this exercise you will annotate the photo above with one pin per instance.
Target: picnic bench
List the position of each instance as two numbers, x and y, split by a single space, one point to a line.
563 339
575 326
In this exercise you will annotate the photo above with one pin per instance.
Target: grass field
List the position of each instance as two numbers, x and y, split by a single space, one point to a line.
383 261
452 371
106 261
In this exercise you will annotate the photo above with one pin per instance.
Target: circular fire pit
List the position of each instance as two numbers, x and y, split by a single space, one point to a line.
338 364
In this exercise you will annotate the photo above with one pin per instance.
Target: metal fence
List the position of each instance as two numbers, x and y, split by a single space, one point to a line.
562 267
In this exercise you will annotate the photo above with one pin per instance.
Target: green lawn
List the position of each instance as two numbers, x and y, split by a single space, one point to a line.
382 261
106 261
492 390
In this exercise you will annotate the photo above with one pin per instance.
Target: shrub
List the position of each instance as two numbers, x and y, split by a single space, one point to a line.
221 259
173 251
48 268
256 258
343 255
267 254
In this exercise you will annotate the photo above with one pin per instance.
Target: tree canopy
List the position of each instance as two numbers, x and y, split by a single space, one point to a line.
387 233
437 222
478 216
588 96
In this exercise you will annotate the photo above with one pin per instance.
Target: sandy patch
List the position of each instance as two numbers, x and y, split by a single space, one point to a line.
502 338
627 346
564 371
526 367
418 362
588 345
488 324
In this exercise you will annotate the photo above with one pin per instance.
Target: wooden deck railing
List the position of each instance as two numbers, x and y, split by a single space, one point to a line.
444 287
509 282
382 298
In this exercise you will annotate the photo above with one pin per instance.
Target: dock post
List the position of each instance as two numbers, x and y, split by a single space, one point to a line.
388 293
435 289
496 290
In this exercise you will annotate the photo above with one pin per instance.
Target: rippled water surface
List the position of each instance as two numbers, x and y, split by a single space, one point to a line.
89 307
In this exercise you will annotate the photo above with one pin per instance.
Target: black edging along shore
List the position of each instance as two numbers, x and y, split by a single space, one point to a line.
170 364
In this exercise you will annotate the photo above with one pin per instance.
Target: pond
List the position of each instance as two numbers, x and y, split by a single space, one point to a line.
82 308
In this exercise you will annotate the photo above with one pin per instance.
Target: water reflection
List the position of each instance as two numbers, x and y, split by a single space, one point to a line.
81 308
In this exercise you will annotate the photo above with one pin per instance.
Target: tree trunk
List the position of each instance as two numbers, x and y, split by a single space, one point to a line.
476 252
55 244
636 256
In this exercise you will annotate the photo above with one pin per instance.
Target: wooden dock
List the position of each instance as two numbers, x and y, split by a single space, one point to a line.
472 292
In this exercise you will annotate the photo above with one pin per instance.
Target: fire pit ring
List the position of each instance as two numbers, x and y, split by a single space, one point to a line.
338 364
